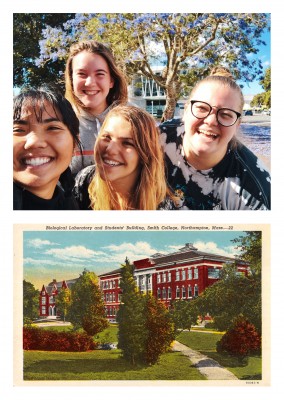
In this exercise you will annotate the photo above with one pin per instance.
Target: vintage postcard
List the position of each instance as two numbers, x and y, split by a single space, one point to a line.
206 286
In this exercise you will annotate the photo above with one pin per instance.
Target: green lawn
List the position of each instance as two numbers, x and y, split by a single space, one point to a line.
251 369
104 365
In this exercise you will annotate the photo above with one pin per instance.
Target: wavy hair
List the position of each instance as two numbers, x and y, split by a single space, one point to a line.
118 93
151 186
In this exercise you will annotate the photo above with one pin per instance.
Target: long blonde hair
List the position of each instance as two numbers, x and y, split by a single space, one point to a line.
151 187
118 93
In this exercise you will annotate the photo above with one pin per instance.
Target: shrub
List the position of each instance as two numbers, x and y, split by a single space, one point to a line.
241 340
41 339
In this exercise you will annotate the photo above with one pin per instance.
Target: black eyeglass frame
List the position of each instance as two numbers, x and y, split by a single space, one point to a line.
218 110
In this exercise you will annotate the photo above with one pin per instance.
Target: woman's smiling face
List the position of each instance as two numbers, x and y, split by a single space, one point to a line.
205 139
42 150
117 154
92 80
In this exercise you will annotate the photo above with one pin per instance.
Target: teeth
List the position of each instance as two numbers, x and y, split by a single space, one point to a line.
112 163
37 161
88 92
208 133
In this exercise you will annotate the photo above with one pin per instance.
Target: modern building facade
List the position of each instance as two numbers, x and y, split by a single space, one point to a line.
181 275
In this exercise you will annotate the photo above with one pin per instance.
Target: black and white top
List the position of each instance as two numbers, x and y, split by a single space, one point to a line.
238 182
81 194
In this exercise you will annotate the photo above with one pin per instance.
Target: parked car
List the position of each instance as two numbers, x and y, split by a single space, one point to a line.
248 112
266 112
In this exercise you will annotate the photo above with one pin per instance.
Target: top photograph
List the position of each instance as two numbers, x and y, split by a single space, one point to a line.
142 111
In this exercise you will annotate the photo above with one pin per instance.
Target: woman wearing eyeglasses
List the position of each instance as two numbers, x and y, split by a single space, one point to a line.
206 164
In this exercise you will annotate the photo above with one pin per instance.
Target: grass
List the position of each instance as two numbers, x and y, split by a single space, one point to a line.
249 369
104 365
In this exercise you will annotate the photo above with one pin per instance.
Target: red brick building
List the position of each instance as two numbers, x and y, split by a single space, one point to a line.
180 275
47 297
184 274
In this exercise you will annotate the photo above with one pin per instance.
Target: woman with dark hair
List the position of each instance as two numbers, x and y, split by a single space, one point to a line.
94 85
206 164
45 133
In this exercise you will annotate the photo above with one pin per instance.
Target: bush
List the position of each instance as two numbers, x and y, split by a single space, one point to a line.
241 340
41 339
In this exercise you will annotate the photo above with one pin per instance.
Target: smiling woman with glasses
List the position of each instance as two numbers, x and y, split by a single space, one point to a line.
205 162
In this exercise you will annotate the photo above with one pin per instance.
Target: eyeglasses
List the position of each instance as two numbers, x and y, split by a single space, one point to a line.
225 116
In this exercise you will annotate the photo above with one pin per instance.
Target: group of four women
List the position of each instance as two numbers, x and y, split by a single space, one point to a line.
93 150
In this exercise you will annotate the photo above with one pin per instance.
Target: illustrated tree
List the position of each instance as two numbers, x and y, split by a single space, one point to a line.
236 294
187 45
183 313
30 301
160 329
87 306
63 301
145 329
132 332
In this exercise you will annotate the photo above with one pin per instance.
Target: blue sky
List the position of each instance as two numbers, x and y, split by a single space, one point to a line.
264 55
63 255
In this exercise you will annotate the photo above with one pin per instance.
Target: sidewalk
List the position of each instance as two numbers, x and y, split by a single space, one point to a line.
206 366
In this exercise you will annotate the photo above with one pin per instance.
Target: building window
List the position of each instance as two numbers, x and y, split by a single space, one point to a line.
213 273
177 275
177 292
169 293
183 275
195 273
169 277
189 273
43 310
158 278
189 291
164 277
195 290
43 300
183 292
164 293
159 293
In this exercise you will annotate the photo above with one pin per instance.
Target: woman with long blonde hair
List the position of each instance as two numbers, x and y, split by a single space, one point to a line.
129 168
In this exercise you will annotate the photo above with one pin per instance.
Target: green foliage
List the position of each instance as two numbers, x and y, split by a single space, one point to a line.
30 302
184 314
160 329
145 329
132 332
250 246
231 296
241 340
63 300
87 307
264 99
27 33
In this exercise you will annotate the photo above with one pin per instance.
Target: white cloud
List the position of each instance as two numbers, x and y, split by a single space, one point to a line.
211 247
39 243
73 253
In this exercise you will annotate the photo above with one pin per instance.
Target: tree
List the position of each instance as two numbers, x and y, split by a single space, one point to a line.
87 306
187 45
250 247
160 329
264 98
241 340
27 32
184 314
63 300
132 332
30 301
233 295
